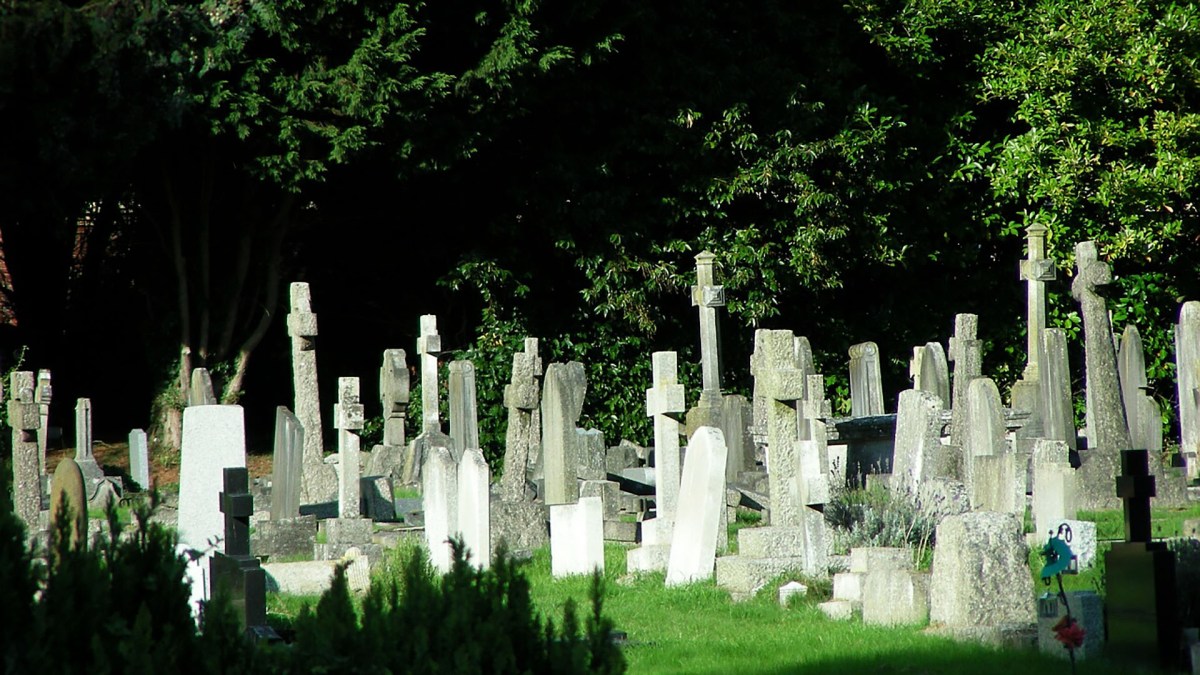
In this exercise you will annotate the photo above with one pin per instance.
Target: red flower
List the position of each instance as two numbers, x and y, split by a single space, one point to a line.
1069 632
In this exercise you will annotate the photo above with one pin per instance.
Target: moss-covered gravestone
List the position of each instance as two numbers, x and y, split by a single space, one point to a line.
68 499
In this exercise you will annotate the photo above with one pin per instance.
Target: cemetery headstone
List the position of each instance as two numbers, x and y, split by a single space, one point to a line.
918 438
701 509
348 419
1036 270
1140 586
234 571
139 458
464 420
930 371
24 418
564 389
1187 368
439 481
1131 373
866 382
201 390
1053 485
93 475
991 465
287 465
67 498
387 458
966 351
474 512
522 397
43 394
429 346
1057 413
576 536
664 402
319 480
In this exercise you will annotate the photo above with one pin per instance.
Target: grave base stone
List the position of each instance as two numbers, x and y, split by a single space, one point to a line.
621 531
1087 608
522 526
743 576
895 597
286 537
609 493
315 577
343 534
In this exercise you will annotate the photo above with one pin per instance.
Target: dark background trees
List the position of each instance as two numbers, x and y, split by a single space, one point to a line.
863 170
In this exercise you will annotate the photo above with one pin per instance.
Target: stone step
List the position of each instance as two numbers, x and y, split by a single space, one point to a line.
742 576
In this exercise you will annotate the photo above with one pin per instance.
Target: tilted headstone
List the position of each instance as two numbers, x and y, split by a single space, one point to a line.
139 458
67 498
737 413
1187 369
701 509
201 390
214 438
319 482
563 392
429 346
1107 428
866 382
474 513
996 479
1054 371
439 494
348 419
464 419
287 465
43 394
918 438
966 351
930 371
522 397
1036 270
576 535
664 402
93 475
24 418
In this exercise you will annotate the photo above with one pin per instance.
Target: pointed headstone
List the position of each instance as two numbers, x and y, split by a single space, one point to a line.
562 403
287 466
930 371
319 481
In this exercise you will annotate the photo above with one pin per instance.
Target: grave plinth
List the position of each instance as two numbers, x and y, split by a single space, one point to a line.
1140 577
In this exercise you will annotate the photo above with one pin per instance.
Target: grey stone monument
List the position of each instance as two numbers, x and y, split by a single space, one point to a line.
319 482
930 371
139 458
66 492
93 475
522 440
918 438
464 418
387 458
664 403
429 346
1057 412
348 420
702 509
707 296
562 402
1187 368
1036 270
866 383
966 351
287 465
201 390
24 418
43 394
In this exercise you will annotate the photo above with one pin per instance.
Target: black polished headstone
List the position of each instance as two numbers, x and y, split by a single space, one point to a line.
235 572
1143 626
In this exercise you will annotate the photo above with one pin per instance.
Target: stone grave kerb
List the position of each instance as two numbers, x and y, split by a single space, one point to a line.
348 418
394 395
429 346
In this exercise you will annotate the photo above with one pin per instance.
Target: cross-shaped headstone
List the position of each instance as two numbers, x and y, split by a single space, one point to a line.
317 481
522 396
237 504
1107 427
1135 487
25 418
348 418
394 395
664 402
1036 270
42 395
429 345
784 386
708 297
966 353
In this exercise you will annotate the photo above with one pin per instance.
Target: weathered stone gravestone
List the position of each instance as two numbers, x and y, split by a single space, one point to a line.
464 419
562 403
1145 420
214 438
474 512
43 394
1036 270
319 480
522 440
664 402
429 346
930 371
68 500
918 439
25 419
1143 624
139 459
995 477
966 351
576 536
866 383
1187 369
983 588
93 475
1087 609
707 296
201 390
1054 371
1108 432
234 572
701 509
287 465
387 458
439 481
348 419
1053 486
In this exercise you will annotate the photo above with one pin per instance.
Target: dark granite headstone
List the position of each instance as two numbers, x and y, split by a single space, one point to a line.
1140 577
235 572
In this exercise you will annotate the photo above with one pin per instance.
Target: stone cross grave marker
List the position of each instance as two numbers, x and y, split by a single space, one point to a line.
464 418
966 351
783 384
429 345
43 394
139 458
562 402
664 402
1036 270
866 383
348 419
24 418
235 572
201 390
1187 368
287 465
1107 428
319 480
93 475
522 397
708 296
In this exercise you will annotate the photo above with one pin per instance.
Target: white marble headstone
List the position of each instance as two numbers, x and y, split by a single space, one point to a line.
577 537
